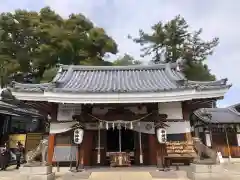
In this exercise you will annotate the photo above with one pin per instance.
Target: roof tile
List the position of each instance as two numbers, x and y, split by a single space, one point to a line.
116 79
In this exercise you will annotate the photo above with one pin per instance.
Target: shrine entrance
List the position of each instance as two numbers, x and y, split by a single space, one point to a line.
120 140
120 146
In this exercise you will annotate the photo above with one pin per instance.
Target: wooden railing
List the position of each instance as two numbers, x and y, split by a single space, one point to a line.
234 150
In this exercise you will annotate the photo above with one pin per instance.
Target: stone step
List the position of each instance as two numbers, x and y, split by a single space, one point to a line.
120 176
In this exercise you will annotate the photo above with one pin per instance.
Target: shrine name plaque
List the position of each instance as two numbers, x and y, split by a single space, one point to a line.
120 159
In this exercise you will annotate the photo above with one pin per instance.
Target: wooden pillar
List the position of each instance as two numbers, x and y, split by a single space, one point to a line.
88 145
81 151
161 152
188 136
238 134
152 149
51 141
186 110
51 137
81 156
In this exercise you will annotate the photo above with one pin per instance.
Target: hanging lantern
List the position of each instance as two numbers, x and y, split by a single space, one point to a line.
113 126
131 125
78 135
107 125
161 135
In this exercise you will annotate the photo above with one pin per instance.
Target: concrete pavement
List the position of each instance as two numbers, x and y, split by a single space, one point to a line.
105 174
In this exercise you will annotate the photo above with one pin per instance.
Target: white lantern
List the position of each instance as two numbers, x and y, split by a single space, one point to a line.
78 135
161 135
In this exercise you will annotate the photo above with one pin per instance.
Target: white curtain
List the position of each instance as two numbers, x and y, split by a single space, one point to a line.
174 127
56 128
145 127
148 127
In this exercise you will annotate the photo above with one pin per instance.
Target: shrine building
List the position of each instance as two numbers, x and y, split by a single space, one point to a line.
219 128
120 109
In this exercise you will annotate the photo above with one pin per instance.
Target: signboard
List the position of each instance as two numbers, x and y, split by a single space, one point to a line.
14 138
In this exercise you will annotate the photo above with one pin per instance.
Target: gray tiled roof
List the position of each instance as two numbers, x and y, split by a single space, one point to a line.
32 87
217 115
16 110
140 78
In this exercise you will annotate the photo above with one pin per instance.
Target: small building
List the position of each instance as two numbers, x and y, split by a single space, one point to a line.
120 108
14 116
219 128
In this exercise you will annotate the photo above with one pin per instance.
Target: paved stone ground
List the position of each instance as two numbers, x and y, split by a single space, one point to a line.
132 173
12 174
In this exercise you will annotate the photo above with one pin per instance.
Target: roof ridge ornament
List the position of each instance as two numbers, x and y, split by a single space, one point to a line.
67 75
6 93
169 72
179 63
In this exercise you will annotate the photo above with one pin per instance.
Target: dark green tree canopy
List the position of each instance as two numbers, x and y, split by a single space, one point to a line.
173 41
32 43
126 60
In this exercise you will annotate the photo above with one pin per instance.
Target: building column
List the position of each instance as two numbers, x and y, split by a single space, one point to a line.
186 116
81 156
188 136
152 149
51 142
51 138
88 148
238 135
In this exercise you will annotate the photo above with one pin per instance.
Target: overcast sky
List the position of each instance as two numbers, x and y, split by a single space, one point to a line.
218 18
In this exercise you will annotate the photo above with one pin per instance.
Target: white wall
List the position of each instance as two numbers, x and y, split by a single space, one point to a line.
178 127
66 111
172 109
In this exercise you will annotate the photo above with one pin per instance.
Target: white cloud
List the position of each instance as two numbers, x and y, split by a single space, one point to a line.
123 17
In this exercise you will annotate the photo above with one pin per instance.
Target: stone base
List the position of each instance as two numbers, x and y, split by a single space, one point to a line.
36 177
36 173
206 168
210 172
